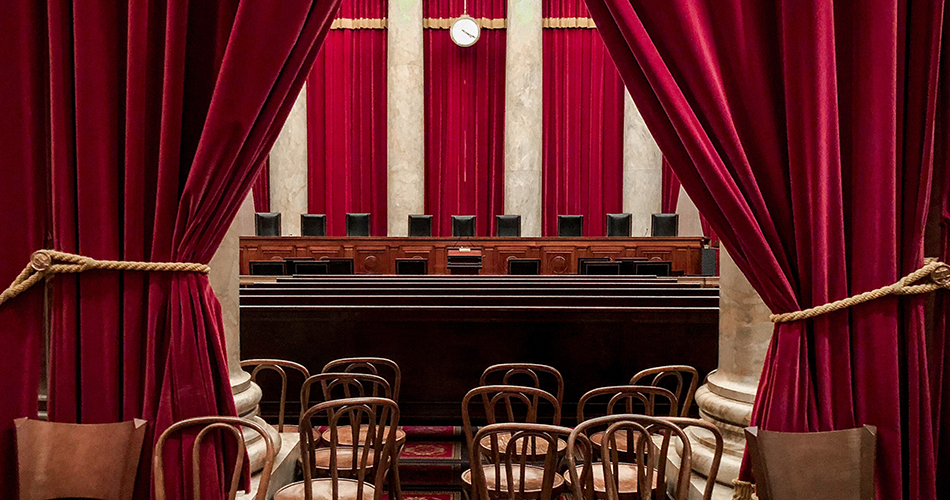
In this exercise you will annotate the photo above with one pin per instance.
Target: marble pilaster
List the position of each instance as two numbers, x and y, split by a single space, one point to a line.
689 216
642 170
405 103
523 114
288 168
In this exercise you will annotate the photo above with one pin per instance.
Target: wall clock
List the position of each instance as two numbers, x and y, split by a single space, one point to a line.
465 31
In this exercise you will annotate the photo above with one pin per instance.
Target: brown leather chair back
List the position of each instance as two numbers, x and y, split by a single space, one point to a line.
57 460
835 465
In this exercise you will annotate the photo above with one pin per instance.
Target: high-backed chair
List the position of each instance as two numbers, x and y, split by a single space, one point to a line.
290 263
653 268
463 226
628 264
570 226
267 267
57 460
369 458
412 266
357 225
313 224
816 465
508 226
619 225
277 365
584 261
228 426
500 470
267 223
524 267
675 378
665 225
311 268
420 226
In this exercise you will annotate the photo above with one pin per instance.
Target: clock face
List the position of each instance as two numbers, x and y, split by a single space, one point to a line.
465 31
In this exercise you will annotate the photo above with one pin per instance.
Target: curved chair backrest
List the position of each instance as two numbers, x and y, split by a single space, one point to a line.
636 446
58 460
379 415
634 396
501 403
527 374
341 385
671 376
713 472
510 445
224 424
277 365
383 367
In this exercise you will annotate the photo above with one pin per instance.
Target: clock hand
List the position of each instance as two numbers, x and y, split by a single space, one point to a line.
467 33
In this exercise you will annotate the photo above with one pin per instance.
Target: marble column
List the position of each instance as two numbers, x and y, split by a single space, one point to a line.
642 170
689 216
288 168
523 114
727 396
405 103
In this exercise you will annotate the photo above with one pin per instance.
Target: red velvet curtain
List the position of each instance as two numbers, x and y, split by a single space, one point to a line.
940 364
146 124
671 189
346 121
583 123
261 188
804 131
464 118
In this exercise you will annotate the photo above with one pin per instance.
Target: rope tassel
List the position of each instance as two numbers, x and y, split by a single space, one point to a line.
47 263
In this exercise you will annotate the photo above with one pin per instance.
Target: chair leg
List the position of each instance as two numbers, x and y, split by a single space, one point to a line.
394 483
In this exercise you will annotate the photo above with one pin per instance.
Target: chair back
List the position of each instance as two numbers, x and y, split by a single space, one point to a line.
676 378
357 225
708 429
463 226
508 226
816 465
420 226
665 225
571 226
619 225
277 365
636 399
386 368
313 224
342 385
628 439
372 452
508 404
511 445
57 460
267 223
539 376
226 425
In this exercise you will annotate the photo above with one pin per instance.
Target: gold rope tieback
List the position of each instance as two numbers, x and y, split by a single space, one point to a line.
938 272
46 263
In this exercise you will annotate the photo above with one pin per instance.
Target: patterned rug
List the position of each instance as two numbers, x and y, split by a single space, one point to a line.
429 495
432 460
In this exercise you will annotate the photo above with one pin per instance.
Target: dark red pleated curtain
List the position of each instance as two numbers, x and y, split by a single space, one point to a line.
142 129
583 122
804 132
346 119
464 118
671 189
261 188
939 359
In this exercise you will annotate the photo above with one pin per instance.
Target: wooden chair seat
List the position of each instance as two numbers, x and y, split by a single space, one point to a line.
627 480
534 476
344 458
539 450
345 437
598 437
322 489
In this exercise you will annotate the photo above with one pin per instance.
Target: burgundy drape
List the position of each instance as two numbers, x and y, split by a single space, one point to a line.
261 188
804 132
146 123
464 119
583 124
670 194
940 364
346 122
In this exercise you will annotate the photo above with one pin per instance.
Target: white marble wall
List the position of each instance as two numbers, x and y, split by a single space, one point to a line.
288 168
642 170
405 115
689 216
523 114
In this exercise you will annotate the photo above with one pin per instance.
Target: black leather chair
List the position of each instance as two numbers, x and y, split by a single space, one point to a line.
267 268
463 226
665 225
619 225
524 267
313 224
570 226
628 265
291 263
709 258
267 223
357 224
412 266
339 266
653 268
508 226
420 226
584 261
312 267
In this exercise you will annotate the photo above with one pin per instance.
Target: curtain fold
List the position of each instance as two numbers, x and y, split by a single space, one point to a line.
261 187
582 167
939 355
464 119
670 194
150 121
346 122
804 132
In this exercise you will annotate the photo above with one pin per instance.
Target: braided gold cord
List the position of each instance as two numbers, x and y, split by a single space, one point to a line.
938 272
46 263
743 490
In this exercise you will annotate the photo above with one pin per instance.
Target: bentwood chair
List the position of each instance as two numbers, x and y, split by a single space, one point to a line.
363 464
277 365
816 465
673 377
57 460
633 464
635 399
504 471
201 428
